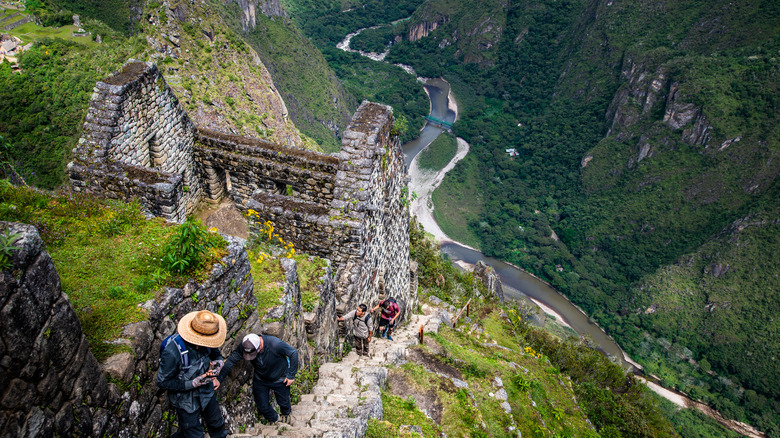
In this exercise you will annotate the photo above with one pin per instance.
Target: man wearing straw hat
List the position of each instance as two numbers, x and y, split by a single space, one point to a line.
189 374
275 364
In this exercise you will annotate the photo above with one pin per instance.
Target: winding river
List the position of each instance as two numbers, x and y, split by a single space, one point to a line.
516 282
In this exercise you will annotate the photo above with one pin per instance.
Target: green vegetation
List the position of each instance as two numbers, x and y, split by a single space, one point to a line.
266 250
693 423
374 40
108 256
379 82
553 386
43 122
438 153
460 202
115 13
626 231
188 248
328 22
315 98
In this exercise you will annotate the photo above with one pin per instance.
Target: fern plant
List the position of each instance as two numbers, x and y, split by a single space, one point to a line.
6 246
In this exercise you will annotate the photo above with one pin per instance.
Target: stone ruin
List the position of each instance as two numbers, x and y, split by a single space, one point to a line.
138 143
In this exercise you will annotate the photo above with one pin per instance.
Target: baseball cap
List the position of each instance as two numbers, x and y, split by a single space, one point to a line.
250 345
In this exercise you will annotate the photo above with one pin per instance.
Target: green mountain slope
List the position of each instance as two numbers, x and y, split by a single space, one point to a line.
219 79
644 130
318 104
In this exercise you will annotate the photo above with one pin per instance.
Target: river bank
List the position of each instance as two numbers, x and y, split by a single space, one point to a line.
517 281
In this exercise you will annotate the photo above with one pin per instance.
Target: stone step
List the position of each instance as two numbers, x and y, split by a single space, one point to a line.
343 386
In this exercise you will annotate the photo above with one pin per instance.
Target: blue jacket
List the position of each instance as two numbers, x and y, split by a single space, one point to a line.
277 361
180 391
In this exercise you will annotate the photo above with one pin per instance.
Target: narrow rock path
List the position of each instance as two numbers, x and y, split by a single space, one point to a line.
348 392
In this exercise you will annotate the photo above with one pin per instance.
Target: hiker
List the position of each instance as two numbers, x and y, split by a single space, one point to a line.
275 363
361 328
390 312
189 363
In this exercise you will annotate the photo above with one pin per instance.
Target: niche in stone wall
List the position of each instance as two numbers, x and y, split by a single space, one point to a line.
156 155
218 184
282 188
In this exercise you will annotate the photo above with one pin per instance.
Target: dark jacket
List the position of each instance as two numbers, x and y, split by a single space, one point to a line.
180 391
277 361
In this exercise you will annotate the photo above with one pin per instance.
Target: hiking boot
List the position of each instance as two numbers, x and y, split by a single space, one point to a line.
267 422
284 418
389 338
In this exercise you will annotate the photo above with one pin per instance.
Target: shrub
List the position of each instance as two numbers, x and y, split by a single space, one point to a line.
187 249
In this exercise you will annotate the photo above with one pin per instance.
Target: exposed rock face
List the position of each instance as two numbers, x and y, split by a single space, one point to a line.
643 90
423 29
488 276
46 360
270 8
680 114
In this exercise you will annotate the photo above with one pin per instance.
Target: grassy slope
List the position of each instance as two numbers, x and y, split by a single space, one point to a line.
109 258
316 99
542 374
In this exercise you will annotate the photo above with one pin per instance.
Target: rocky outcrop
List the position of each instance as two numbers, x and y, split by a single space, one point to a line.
687 116
489 277
424 28
641 92
249 8
51 383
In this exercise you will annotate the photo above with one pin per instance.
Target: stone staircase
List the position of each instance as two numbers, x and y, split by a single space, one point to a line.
348 392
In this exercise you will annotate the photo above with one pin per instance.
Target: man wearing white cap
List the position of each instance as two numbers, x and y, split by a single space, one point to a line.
188 365
275 364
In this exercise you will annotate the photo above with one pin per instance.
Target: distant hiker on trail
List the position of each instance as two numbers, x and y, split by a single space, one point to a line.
275 363
362 326
189 362
390 312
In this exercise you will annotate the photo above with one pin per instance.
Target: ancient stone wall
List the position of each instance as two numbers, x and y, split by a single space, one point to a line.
371 191
138 143
250 165
53 385
351 209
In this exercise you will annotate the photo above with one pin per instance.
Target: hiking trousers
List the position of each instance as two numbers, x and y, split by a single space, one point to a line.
361 346
261 393
189 423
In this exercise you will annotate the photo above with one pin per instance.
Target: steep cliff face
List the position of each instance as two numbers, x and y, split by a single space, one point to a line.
249 8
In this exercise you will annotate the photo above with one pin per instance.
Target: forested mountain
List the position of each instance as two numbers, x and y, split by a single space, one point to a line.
646 186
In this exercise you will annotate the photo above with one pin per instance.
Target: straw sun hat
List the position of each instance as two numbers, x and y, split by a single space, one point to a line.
203 328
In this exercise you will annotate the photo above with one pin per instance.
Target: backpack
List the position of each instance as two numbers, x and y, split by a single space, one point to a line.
392 301
185 358
364 319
